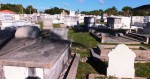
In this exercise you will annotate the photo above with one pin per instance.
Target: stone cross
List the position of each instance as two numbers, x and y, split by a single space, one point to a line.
121 62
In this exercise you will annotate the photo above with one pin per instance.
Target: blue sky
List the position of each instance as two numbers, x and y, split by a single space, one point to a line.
82 5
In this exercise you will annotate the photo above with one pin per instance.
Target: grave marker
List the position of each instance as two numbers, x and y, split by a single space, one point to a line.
59 33
121 62
47 24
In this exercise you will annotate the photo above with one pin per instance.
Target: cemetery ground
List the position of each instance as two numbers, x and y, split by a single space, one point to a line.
82 42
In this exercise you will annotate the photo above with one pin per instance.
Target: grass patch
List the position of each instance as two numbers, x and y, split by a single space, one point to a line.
142 69
83 38
41 25
82 51
84 69
82 41
147 46
56 25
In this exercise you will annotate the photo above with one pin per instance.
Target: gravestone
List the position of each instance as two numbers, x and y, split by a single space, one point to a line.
27 32
47 24
59 34
121 62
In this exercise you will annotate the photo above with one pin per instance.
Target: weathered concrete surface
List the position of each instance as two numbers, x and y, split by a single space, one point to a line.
108 38
101 52
122 39
16 44
73 70
140 53
41 53
59 34
27 32
47 57
113 46
144 37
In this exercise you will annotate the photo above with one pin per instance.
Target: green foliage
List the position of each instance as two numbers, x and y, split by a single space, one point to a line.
30 10
56 25
111 77
55 10
126 10
142 69
18 8
83 38
79 45
111 11
13 7
94 12
84 69
83 41
143 10
41 25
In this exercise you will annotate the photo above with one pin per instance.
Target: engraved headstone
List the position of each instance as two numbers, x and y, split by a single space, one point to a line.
121 62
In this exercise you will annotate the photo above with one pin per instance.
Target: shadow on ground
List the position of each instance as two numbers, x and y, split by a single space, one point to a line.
98 65
76 44
33 78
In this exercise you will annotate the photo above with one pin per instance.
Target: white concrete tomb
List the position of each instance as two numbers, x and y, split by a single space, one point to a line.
121 62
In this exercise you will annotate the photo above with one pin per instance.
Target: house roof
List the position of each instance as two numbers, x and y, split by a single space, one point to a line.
7 11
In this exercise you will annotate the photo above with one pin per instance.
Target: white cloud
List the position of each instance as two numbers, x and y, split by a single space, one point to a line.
81 1
101 1
66 4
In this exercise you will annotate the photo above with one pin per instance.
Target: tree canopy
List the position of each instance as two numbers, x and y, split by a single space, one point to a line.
94 12
55 10
30 10
143 10
18 8
126 10
112 11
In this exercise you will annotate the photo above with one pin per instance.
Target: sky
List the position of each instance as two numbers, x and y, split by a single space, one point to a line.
81 5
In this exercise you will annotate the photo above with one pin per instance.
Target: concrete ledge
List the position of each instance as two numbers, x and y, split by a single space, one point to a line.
97 56
73 69
101 52
98 76
113 46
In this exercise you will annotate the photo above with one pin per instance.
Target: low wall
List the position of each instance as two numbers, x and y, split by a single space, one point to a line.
140 53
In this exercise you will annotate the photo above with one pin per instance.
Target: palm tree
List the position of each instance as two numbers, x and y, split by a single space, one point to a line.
111 11
126 10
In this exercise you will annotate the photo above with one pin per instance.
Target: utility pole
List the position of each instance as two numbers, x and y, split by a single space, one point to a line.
0 6
22 10
30 10
130 23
